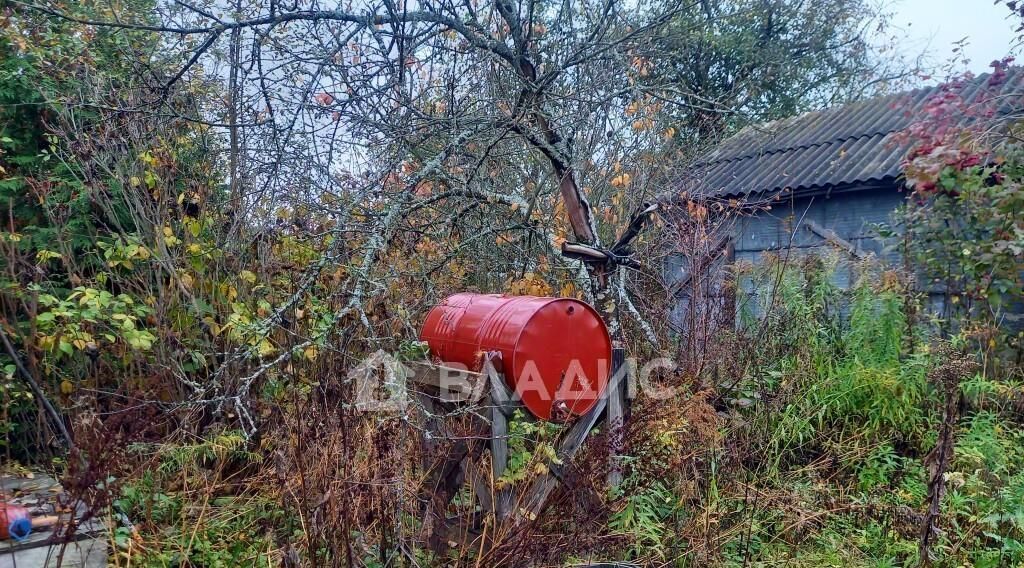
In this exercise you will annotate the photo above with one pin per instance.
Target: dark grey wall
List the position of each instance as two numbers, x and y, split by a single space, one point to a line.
850 213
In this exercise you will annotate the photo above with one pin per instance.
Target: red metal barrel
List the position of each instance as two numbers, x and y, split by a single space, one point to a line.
555 351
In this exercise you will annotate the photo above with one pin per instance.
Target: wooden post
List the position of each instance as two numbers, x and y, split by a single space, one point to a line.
445 474
537 494
616 416
832 238
501 400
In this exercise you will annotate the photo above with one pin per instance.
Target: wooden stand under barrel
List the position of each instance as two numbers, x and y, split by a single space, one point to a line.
488 392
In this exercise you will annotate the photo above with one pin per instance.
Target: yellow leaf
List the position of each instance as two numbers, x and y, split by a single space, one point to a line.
266 348
187 280
212 324
194 226
528 514
66 387
135 181
247 276
224 288
46 342
310 353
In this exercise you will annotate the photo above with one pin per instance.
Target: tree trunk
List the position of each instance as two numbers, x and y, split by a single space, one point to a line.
576 206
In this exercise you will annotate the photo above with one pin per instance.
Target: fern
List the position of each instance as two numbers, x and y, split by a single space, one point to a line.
643 516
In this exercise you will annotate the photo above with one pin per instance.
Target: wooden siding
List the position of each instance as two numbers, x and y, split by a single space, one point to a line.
850 214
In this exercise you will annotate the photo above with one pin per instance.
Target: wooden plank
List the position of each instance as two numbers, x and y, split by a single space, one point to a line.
444 467
452 384
717 249
616 420
499 460
444 476
537 494
480 481
501 409
443 481
833 239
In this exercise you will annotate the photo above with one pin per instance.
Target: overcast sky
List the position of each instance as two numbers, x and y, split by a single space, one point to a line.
934 25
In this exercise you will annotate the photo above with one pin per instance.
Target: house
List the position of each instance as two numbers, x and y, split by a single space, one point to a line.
826 178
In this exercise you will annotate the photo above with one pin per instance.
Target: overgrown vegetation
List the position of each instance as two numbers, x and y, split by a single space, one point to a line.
213 219
844 425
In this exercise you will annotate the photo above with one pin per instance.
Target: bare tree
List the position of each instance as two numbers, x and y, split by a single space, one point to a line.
515 137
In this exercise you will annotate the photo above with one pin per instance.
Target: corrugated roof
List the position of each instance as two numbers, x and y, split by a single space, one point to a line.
849 144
